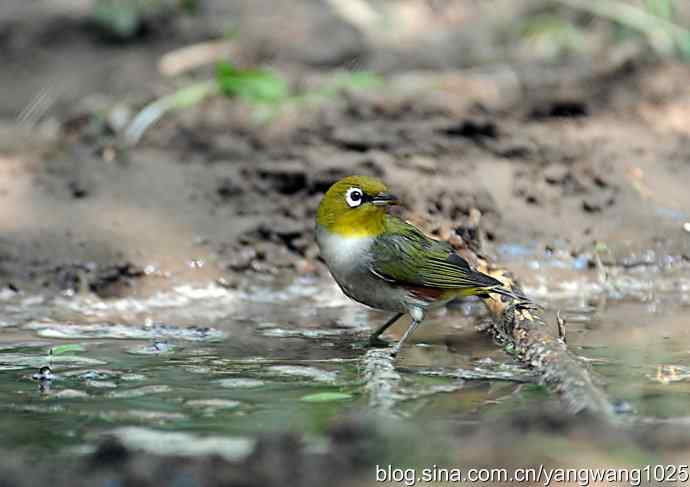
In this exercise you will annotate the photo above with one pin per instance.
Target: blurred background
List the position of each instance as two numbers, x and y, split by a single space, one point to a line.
123 117
161 162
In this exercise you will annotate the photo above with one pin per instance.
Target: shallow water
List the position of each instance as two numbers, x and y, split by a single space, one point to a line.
228 365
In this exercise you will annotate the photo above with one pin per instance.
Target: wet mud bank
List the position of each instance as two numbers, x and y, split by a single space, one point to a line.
210 195
210 192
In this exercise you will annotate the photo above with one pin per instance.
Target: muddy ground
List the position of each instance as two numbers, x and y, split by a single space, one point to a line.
590 152
603 146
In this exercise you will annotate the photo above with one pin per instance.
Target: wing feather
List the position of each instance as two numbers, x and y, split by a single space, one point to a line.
406 256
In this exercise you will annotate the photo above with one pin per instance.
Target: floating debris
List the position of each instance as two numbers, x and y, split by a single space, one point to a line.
44 373
67 348
44 376
666 374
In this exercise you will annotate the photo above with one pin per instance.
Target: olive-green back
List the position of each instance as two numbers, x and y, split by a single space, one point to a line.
404 255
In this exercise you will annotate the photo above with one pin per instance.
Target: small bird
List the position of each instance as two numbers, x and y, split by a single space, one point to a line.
386 263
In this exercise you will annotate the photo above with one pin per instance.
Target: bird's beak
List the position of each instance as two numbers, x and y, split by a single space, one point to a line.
385 199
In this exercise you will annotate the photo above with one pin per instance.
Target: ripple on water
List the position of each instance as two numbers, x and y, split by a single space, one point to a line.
101 384
210 405
139 391
180 297
240 382
146 416
314 373
304 333
15 361
68 394
119 331
102 376
156 348
133 377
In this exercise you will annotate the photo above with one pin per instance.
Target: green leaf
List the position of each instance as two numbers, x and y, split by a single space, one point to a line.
67 348
253 85
327 397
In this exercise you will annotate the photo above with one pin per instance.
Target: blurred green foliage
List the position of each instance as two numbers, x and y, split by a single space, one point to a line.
265 90
326 397
123 19
120 18
67 348
552 34
252 85
655 20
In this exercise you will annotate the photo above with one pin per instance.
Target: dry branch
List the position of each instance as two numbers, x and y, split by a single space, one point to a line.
520 326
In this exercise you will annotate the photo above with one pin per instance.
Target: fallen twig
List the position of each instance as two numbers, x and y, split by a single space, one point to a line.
520 326
561 327
382 381
153 112
475 374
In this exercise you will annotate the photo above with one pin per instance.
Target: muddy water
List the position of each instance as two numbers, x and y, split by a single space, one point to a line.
227 365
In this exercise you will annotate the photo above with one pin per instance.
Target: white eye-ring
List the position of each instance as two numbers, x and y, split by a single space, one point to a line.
354 197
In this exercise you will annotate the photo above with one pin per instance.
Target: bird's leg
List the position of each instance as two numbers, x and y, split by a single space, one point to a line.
408 334
374 339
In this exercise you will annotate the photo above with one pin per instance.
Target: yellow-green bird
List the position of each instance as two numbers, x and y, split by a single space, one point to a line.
386 263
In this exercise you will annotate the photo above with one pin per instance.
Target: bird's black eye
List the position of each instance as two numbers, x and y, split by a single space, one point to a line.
354 197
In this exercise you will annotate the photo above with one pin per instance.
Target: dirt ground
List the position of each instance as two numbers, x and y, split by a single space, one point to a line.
209 194
602 147
594 150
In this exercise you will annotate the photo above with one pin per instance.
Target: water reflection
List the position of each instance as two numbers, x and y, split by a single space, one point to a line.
233 364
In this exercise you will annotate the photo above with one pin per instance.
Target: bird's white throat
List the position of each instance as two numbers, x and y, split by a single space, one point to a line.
342 253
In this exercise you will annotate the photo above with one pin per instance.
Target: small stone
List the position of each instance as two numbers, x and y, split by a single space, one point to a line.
77 189
241 259
227 188
555 173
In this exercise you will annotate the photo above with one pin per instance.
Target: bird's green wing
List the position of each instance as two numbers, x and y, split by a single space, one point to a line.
404 255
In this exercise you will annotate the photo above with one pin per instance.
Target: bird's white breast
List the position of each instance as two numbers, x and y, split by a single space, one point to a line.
349 260
343 254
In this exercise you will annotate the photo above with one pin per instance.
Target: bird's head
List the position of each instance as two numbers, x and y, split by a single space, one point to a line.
355 206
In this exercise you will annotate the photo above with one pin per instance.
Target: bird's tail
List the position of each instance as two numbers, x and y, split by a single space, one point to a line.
493 285
503 291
